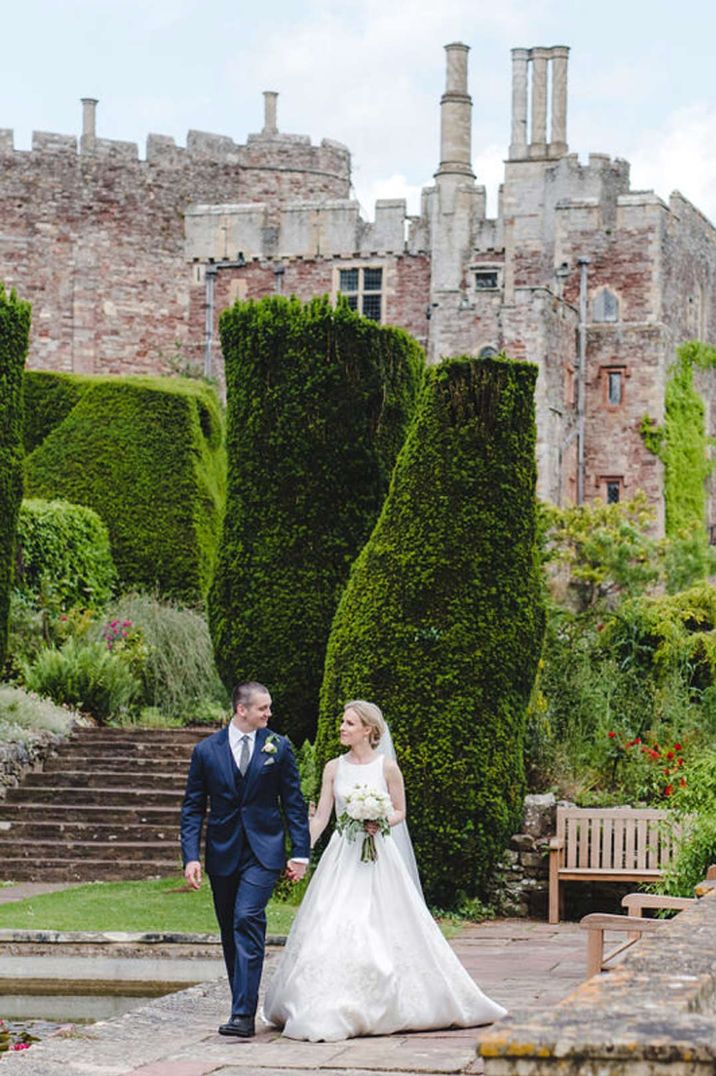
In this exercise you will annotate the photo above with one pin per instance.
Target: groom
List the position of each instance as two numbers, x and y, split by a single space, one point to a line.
248 775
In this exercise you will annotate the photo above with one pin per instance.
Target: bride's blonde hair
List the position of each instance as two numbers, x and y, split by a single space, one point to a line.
370 716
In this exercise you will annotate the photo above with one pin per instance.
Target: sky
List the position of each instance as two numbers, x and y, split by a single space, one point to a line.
370 74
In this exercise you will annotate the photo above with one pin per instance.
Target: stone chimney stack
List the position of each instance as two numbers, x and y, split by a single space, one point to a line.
456 116
89 125
270 112
549 65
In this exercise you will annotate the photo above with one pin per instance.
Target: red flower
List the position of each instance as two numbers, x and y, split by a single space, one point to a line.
638 739
668 790
678 747
669 754
600 627
682 782
679 762
611 735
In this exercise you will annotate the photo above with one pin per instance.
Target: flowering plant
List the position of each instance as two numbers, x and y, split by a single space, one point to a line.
271 745
14 1041
365 804
125 640
657 769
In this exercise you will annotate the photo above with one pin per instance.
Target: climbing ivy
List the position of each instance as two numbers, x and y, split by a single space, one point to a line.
682 444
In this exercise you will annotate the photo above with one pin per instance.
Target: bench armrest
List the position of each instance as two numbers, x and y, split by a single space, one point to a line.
635 902
556 844
604 921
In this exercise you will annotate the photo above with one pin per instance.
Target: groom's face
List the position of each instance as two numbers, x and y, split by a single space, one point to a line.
255 713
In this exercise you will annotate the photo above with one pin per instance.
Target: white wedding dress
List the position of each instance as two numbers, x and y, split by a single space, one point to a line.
364 956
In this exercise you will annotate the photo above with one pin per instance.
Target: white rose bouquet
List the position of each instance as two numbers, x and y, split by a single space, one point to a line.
365 804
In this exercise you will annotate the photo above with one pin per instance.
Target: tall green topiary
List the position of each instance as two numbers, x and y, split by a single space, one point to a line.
147 455
14 338
441 621
318 400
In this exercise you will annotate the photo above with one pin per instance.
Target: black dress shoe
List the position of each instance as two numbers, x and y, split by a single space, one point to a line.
240 1026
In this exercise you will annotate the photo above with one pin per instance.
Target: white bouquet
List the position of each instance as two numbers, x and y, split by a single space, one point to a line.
365 804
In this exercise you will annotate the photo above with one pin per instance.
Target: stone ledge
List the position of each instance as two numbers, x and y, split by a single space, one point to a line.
655 1010
93 937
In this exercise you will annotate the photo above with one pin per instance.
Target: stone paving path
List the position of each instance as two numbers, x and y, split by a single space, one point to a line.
22 890
519 963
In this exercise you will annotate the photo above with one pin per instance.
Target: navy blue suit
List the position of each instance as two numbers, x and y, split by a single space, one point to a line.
245 850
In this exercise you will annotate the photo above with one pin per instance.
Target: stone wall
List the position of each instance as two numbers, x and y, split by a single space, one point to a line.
95 240
653 1015
20 757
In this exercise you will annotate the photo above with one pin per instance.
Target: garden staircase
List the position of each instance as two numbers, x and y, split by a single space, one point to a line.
105 807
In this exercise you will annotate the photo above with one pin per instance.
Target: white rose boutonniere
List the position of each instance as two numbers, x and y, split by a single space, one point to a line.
271 745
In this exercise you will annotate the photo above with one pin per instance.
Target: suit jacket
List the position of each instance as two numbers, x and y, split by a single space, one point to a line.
243 809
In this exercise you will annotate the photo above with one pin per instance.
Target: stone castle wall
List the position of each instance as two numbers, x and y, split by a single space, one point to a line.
96 241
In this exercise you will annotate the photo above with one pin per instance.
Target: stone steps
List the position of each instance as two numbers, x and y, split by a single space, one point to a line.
105 807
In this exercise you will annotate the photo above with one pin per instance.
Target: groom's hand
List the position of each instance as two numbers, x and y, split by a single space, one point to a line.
295 871
192 873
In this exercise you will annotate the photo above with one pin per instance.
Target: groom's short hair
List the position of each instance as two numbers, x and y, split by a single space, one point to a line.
244 692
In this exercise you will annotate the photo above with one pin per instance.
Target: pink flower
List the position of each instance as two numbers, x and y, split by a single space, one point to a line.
20 1046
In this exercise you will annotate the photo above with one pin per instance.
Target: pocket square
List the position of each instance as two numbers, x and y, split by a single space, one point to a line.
269 762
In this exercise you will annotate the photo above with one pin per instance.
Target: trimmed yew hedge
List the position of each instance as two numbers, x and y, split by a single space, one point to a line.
442 619
147 455
14 338
318 401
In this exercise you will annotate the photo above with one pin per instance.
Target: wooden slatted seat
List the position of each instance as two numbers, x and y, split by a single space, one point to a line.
609 844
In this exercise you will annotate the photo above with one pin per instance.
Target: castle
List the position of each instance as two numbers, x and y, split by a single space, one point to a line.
127 261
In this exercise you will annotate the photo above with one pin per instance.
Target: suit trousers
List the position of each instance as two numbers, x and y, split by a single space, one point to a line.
240 901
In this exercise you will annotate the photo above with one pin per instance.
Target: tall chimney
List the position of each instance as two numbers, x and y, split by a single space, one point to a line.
270 112
538 134
89 124
456 116
518 143
558 134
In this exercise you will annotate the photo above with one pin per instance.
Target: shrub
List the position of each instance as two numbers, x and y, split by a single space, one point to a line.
318 401
441 620
23 715
86 676
147 455
14 335
65 548
177 670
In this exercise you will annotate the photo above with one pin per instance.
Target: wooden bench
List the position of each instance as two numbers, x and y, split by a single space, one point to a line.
608 844
633 924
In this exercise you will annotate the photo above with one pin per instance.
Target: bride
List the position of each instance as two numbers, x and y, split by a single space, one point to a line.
364 956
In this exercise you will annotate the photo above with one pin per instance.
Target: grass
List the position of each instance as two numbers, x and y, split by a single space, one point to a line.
142 907
128 906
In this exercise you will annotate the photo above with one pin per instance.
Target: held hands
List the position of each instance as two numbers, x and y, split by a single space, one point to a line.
295 871
371 828
192 873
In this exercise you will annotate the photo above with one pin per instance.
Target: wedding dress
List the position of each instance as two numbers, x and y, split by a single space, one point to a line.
364 956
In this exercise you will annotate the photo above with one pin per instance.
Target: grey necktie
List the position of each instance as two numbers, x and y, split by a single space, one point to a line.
244 755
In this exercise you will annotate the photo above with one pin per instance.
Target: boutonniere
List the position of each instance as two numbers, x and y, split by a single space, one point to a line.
271 745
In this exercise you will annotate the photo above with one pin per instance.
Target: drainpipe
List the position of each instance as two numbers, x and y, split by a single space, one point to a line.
583 264
211 273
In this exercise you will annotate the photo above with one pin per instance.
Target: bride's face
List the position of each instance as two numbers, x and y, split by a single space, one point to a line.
353 731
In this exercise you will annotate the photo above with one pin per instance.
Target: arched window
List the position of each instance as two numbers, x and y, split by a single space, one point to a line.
605 306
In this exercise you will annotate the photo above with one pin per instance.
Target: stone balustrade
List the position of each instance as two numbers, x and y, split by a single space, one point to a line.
654 1014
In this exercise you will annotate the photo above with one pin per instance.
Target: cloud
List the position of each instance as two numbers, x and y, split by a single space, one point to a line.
679 155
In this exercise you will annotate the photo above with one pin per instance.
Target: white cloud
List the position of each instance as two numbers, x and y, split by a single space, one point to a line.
680 156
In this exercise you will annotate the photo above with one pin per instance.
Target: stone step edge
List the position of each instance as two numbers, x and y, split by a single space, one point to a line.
94 937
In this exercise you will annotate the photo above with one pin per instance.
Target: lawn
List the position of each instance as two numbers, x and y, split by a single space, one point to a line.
128 906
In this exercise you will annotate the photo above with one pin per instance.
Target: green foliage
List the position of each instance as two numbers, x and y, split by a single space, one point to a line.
682 445
14 336
601 550
696 805
85 676
23 716
146 454
441 621
176 664
318 402
63 548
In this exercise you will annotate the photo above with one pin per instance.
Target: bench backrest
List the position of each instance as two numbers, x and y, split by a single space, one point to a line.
617 838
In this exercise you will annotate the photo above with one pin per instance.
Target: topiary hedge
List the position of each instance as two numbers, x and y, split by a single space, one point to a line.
63 552
14 338
318 403
147 455
442 618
